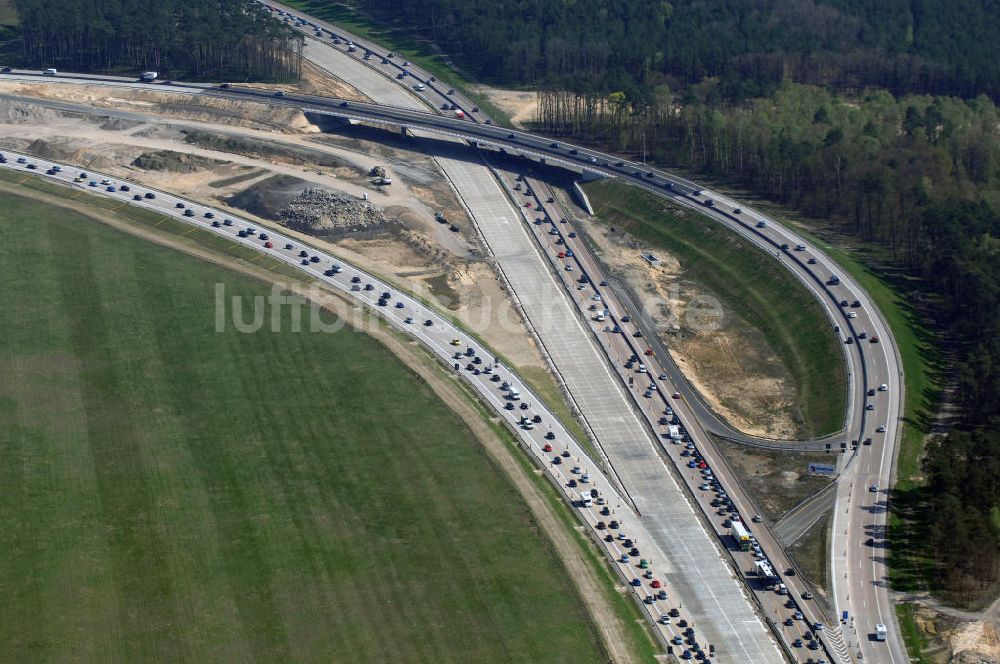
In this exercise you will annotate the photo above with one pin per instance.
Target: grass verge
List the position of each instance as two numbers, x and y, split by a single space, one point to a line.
8 14
744 279
911 565
544 385
398 39
810 554
643 643
186 493
915 642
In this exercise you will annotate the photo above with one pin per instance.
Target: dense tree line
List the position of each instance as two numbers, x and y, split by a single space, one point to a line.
195 39
877 115
920 46
919 175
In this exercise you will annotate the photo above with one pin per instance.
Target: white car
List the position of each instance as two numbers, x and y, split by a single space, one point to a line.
852 314
880 430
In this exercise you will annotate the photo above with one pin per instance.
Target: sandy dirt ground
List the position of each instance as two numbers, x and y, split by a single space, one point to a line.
219 111
954 636
976 641
721 357
421 255
570 544
315 81
519 105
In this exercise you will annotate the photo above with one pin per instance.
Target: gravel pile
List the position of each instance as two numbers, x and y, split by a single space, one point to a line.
325 212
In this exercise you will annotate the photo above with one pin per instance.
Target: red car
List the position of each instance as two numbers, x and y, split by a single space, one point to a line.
528 204
562 254
547 448
655 584
269 245
649 352
874 340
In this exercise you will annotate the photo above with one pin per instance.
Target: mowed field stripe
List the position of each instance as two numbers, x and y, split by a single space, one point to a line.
180 493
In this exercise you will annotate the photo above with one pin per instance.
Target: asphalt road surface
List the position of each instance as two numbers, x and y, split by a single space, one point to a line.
693 559
858 569
538 430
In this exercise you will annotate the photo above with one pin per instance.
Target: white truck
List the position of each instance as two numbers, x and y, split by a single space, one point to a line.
674 432
148 76
880 632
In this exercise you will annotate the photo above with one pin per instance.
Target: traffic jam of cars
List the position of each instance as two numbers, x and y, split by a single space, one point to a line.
581 481
554 235
429 88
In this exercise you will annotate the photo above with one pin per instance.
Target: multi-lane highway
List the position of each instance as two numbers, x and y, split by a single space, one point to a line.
615 527
858 572
628 450
709 591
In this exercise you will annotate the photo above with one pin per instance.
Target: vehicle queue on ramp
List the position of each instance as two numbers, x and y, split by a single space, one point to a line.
869 591
606 512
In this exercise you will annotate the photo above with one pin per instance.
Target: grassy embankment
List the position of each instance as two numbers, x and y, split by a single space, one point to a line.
910 563
180 493
745 280
398 39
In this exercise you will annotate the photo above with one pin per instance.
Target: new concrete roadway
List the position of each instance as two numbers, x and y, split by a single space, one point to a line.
716 490
707 586
614 526
858 575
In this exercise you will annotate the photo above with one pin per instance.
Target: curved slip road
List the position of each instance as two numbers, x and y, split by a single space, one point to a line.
493 382
863 587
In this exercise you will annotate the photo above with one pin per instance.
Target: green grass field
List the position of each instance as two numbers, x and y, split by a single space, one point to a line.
744 280
172 493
